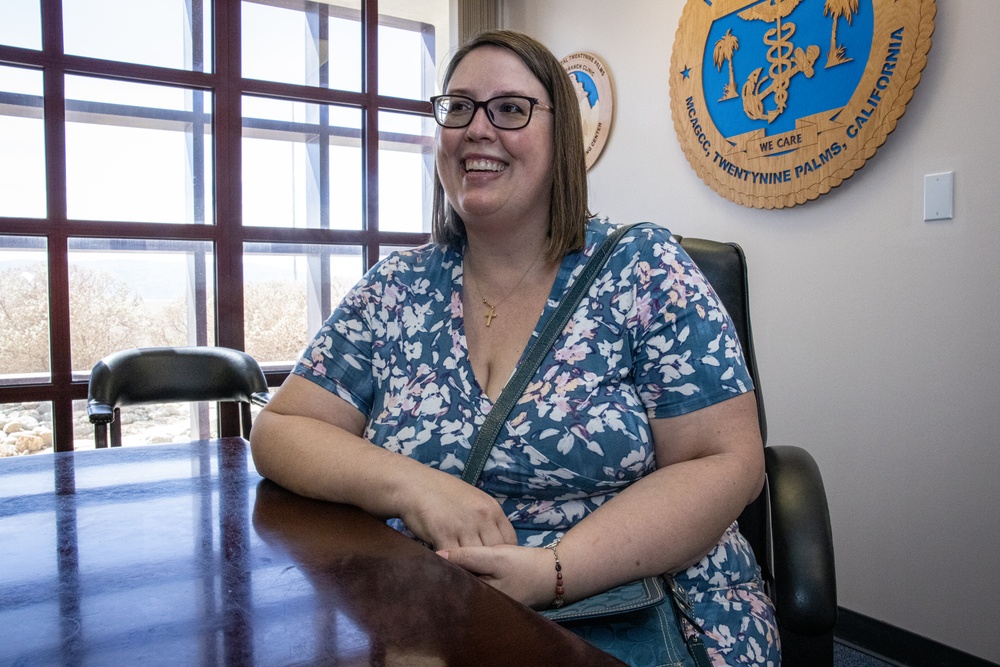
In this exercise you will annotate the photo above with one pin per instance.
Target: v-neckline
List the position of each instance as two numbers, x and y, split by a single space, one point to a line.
457 323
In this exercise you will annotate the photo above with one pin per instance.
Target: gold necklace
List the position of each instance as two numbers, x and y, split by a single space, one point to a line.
491 312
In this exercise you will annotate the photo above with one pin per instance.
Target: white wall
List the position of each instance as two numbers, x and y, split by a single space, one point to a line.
876 332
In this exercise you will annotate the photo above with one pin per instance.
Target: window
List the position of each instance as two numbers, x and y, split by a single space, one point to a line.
189 172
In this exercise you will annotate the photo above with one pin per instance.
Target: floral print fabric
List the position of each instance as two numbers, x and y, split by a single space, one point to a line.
650 340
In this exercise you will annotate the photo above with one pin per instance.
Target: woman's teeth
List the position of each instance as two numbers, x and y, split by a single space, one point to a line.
484 165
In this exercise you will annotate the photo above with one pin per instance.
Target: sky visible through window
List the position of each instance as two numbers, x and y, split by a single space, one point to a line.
143 174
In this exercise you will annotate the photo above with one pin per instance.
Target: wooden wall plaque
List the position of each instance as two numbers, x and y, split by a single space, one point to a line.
776 102
595 94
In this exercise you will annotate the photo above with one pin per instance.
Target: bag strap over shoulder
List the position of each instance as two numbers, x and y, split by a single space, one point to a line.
536 353
607 603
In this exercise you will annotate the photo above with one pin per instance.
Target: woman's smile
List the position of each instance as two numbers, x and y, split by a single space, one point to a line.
499 175
482 164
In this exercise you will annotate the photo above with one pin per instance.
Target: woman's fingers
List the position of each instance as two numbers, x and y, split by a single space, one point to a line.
495 533
507 533
472 559
448 513
524 573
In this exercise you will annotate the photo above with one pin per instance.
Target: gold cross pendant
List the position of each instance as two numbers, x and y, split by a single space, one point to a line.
491 314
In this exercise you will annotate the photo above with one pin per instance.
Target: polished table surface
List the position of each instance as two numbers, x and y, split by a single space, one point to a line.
183 555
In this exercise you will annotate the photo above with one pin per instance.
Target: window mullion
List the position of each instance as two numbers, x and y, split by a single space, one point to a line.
369 130
229 305
60 361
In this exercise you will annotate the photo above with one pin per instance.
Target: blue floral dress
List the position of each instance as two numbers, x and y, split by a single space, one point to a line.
651 339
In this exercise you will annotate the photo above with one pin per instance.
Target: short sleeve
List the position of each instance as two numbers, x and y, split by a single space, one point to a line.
339 358
384 330
687 354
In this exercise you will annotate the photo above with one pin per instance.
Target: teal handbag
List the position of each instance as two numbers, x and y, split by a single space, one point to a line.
632 623
635 595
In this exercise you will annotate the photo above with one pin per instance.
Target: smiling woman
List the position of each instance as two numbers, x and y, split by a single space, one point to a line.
568 200
509 200
634 446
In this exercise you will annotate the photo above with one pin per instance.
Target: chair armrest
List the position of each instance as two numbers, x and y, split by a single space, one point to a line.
260 398
805 585
99 412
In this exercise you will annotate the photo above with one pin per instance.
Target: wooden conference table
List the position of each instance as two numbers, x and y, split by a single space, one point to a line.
183 555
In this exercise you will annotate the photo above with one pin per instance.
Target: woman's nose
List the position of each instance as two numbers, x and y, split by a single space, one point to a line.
480 125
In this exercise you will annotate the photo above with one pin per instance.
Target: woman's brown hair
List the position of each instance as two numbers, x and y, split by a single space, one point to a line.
568 212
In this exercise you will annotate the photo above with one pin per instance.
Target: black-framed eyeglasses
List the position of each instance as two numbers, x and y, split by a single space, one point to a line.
506 112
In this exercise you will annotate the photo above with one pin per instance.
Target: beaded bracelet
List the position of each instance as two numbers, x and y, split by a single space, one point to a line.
559 601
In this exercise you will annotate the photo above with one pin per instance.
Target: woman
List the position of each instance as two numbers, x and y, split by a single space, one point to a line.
636 445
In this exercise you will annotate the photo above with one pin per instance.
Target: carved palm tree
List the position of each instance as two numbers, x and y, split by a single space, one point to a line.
837 9
725 48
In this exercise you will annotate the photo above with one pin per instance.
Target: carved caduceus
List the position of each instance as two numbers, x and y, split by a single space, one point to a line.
786 61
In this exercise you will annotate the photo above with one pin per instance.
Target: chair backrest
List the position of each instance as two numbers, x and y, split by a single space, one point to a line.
788 525
724 264
170 374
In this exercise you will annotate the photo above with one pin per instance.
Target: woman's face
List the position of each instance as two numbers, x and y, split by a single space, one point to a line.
492 175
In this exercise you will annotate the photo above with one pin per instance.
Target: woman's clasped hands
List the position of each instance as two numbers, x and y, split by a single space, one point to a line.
526 574
446 512
468 528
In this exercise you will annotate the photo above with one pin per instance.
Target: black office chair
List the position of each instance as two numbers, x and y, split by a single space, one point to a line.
171 374
788 525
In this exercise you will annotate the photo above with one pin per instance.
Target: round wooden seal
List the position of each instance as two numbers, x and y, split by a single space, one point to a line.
595 93
776 102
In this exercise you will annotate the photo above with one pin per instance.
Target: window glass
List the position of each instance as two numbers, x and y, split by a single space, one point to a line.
152 424
22 143
303 42
25 428
21 24
289 291
405 171
386 250
138 293
413 38
164 33
24 310
301 165
138 152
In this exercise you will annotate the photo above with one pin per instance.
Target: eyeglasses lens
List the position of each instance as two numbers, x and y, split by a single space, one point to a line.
507 113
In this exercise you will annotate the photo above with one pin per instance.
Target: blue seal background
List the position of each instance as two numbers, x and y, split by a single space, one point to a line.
828 88
588 85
